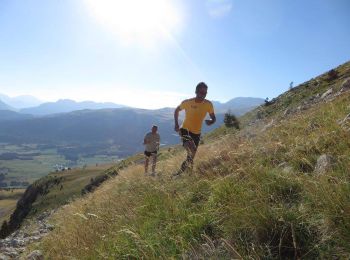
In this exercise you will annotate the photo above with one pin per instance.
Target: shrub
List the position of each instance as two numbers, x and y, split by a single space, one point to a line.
332 75
231 120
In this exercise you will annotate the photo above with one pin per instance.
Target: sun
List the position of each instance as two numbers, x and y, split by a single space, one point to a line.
137 21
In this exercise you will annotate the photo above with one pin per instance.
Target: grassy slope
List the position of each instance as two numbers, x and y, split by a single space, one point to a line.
239 202
71 184
8 200
68 188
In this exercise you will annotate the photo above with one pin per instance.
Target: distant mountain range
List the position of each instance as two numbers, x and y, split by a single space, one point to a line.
65 106
122 127
22 101
95 130
238 105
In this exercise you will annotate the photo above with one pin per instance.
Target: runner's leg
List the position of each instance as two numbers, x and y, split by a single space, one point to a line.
154 162
146 164
191 152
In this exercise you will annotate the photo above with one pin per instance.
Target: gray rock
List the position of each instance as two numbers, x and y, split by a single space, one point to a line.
17 242
4 257
327 93
9 251
35 255
287 112
345 85
324 164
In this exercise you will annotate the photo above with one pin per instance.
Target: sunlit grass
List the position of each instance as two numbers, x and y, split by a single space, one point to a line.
253 193
237 203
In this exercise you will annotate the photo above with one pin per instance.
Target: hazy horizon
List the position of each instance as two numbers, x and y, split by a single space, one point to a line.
78 101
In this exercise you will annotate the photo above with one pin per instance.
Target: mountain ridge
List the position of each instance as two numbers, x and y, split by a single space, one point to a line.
21 101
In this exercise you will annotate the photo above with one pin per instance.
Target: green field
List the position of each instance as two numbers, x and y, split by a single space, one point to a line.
42 163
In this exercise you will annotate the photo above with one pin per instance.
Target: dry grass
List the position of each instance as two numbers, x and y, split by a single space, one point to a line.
238 203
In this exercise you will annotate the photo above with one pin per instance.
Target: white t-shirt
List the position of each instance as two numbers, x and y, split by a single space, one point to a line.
152 142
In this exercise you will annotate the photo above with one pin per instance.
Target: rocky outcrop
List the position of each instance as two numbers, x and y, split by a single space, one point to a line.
327 93
24 205
345 85
15 244
345 122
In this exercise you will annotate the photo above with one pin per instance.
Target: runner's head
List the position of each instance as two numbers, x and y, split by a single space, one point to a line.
154 129
201 90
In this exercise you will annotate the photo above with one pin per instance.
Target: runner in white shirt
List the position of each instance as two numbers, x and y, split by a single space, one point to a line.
151 142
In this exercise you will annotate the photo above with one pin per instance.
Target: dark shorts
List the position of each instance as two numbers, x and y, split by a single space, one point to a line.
148 154
188 136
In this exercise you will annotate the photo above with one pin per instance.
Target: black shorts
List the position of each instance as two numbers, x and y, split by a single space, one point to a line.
148 154
188 136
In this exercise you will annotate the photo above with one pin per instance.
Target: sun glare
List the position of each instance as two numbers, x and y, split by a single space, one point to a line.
140 21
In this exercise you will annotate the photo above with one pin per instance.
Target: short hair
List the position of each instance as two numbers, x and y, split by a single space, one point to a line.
201 85
154 126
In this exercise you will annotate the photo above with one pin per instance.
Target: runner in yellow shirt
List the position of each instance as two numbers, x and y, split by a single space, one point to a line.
195 111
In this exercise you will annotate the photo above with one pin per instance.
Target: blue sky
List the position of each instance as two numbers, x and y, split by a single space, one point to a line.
153 56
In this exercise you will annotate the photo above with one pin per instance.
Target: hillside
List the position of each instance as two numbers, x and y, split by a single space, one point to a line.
6 115
277 188
48 193
4 106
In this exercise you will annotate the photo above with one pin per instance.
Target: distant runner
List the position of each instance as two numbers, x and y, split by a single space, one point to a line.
190 131
151 142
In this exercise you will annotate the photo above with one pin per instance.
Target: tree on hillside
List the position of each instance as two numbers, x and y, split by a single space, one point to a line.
332 75
231 120
269 102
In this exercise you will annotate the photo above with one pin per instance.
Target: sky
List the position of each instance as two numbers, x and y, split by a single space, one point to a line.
151 54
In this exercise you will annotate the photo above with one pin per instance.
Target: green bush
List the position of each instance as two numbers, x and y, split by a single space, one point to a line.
231 120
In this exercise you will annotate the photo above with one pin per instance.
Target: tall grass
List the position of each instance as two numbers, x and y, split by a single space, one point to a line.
238 203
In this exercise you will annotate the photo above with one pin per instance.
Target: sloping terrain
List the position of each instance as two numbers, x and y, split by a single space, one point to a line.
277 188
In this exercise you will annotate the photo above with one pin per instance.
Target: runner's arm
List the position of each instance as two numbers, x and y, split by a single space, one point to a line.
145 141
176 118
212 119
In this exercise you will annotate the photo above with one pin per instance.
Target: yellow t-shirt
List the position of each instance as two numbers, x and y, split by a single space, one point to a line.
195 114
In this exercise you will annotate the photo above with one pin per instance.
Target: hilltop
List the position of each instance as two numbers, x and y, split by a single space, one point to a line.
276 188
